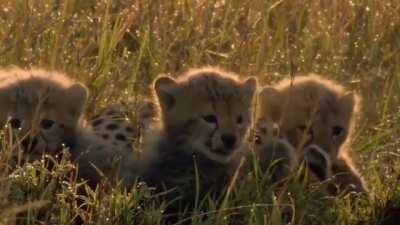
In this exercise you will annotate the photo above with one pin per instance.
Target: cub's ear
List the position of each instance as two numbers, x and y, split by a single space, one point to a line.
350 103
250 86
270 103
77 95
164 88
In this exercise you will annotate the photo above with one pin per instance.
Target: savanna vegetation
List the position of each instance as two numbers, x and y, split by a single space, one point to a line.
118 47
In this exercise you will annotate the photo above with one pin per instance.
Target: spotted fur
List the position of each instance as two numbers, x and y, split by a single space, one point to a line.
122 125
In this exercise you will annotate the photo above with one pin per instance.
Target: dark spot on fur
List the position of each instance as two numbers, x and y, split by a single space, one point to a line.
317 163
105 136
115 143
120 137
95 117
258 140
112 126
111 112
263 130
129 129
97 122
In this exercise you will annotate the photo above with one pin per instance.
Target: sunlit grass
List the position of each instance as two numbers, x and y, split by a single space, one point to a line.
117 48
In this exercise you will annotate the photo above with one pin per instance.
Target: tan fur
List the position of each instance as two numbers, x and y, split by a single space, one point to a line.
189 103
312 111
34 96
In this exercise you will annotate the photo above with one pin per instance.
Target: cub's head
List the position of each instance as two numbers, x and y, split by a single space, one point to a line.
206 110
312 110
41 108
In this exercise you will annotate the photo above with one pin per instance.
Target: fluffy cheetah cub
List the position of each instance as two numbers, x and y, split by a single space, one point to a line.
43 107
314 111
205 117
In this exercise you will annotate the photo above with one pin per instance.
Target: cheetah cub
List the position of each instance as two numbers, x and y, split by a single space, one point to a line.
44 111
205 115
313 111
43 108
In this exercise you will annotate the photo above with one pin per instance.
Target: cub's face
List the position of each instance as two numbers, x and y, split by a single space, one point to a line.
306 117
41 117
208 113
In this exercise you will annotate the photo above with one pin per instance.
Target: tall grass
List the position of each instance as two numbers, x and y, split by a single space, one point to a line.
117 48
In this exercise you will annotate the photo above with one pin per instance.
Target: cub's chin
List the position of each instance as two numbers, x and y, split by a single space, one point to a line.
219 155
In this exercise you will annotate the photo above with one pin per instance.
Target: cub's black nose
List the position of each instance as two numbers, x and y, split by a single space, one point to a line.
28 144
228 140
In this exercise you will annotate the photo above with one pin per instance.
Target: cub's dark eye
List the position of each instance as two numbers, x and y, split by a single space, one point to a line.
311 132
263 130
302 128
15 123
46 124
337 130
239 119
210 119
257 140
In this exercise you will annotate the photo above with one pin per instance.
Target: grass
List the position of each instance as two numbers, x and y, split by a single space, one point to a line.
118 47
